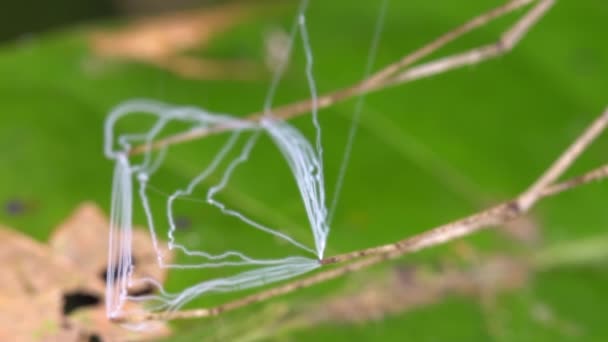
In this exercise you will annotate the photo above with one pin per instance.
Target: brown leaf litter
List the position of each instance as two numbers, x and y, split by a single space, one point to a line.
55 292
163 41
409 288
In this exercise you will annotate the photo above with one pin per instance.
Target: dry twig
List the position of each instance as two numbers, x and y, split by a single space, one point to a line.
398 73
496 215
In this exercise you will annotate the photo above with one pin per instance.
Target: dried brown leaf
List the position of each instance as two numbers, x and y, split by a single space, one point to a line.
96 322
83 238
31 267
37 279
31 318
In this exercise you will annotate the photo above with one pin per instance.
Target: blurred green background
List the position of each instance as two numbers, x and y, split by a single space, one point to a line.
426 153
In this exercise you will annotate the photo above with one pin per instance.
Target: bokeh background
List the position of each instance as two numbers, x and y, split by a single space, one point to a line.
23 18
426 153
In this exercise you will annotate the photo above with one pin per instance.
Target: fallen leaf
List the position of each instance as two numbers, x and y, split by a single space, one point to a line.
31 267
89 227
97 321
55 292
36 317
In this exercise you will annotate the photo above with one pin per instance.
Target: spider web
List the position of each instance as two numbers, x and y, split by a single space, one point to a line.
133 192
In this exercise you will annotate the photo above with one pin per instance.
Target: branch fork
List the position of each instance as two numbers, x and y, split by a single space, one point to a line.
401 72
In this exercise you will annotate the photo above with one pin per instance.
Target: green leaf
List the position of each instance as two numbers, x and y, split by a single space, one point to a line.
426 153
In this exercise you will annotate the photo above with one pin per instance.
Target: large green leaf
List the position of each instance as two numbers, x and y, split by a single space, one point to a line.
426 153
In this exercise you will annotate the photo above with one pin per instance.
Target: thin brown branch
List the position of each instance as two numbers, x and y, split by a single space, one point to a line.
497 215
555 171
413 242
396 73
474 56
445 39
592 176
254 298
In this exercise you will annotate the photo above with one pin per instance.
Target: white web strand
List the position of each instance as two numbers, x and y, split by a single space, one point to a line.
120 256
278 75
243 157
119 249
354 127
304 161
241 281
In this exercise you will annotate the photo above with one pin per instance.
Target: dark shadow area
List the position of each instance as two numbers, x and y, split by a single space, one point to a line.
78 299
21 19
